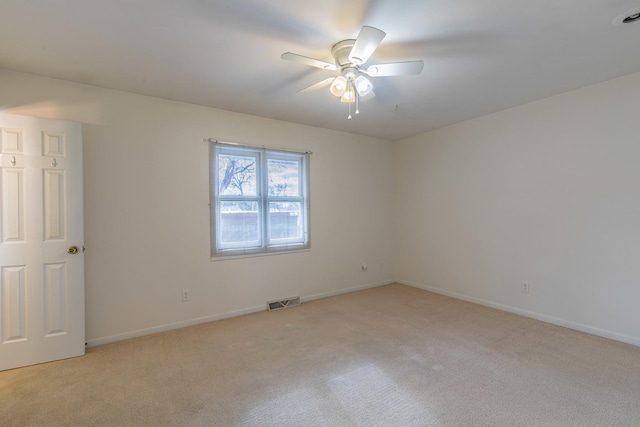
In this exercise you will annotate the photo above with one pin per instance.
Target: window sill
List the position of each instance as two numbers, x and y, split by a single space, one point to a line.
257 254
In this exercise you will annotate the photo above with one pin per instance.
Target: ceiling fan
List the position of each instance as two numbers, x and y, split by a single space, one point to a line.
350 57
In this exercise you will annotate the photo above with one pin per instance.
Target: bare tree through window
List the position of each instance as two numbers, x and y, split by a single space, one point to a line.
238 171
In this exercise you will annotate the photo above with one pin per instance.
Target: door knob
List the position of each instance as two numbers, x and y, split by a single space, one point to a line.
72 250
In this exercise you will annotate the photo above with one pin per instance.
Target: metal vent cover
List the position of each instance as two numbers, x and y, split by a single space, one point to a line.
283 303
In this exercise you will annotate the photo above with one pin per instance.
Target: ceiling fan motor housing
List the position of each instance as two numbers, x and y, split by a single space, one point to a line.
340 52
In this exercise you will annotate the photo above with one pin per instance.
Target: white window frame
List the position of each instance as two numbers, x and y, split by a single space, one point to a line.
264 245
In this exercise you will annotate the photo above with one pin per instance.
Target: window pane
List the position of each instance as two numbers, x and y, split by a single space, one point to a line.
236 175
285 220
284 177
239 224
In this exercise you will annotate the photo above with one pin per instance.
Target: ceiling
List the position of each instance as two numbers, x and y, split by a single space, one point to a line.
480 56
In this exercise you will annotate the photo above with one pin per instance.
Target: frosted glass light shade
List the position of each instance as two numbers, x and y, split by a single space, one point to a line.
363 86
349 95
338 86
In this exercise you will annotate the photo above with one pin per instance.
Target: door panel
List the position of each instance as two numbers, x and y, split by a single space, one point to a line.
13 204
54 214
13 304
55 298
41 284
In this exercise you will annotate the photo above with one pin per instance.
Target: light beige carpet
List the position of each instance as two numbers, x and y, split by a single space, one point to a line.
388 356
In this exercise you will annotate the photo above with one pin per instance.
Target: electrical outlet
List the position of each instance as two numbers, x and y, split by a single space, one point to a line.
525 287
185 295
364 267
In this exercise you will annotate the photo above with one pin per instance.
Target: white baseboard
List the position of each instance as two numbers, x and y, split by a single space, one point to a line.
531 314
172 326
191 322
345 291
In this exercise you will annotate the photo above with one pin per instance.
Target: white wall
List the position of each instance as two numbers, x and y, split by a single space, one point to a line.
147 216
547 193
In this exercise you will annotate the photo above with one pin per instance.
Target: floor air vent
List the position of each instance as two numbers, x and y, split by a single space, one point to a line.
283 303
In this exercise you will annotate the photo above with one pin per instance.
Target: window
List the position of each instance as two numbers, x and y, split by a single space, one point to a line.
260 200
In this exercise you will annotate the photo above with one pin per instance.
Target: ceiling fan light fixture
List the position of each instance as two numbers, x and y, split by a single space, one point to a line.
338 86
363 86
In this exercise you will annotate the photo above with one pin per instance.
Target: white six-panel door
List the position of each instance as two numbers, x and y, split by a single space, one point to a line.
41 224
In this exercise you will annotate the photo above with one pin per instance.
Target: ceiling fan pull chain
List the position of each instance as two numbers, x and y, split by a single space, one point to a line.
357 98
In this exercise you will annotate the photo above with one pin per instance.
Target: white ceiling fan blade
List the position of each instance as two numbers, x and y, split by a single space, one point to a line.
366 43
396 69
308 61
319 85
